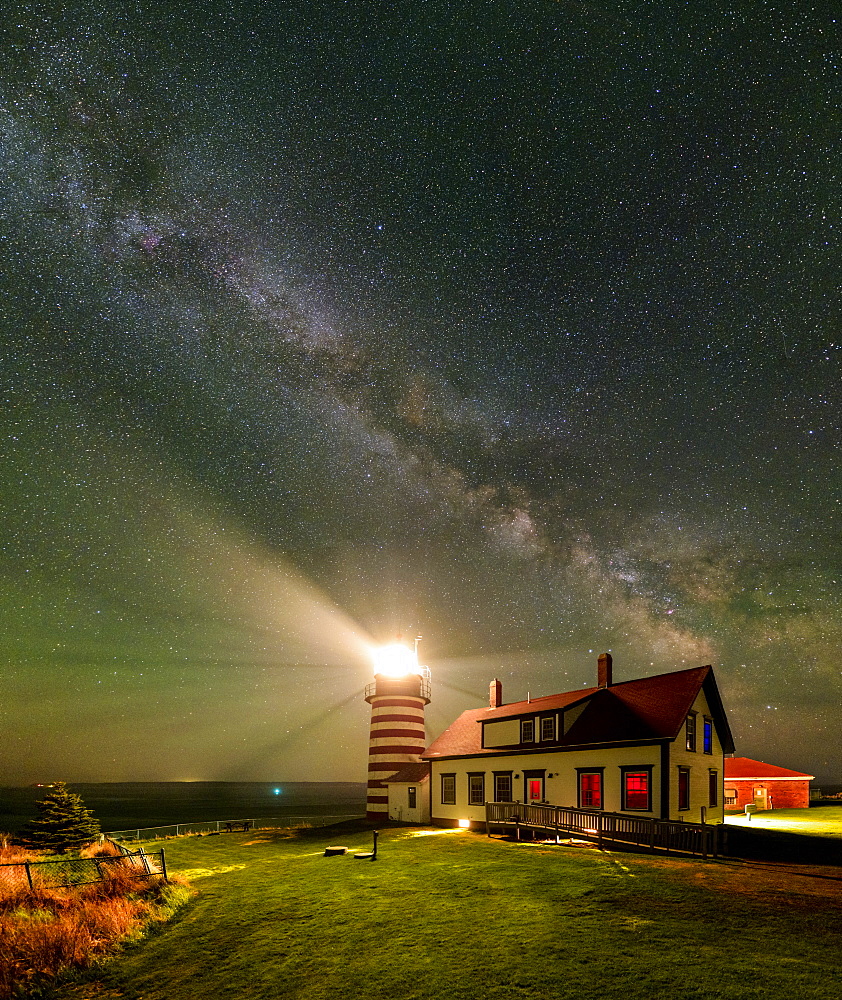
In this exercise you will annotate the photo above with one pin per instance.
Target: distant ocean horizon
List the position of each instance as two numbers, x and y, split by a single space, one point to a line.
125 804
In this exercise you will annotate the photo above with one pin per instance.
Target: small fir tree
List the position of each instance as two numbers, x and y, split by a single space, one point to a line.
63 823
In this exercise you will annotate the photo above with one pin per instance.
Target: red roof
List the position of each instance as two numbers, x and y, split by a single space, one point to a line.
411 774
745 767
649 708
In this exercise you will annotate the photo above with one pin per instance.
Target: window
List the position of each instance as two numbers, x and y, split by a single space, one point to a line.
503 786
412 795
707 736
730 796
476 789
527 731
691 731
548 728
590 789
684 788
636 788
448 789
713 788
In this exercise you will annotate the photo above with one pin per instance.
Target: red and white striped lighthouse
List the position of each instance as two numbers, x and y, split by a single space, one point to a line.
398 694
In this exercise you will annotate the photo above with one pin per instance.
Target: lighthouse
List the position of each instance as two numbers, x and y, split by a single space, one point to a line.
398 694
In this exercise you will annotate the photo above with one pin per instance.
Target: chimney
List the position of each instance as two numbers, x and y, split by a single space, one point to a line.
495 694
603 670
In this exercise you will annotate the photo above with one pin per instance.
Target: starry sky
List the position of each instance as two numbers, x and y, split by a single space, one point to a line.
513 325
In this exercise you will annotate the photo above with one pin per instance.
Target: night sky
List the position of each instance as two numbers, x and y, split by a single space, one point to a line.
515 325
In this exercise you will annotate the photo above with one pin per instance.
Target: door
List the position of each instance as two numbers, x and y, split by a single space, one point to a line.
761 797
534 789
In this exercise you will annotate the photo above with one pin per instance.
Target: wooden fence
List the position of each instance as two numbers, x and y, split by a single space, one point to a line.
605 827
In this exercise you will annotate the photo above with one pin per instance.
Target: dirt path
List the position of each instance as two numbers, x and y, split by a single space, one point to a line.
759 880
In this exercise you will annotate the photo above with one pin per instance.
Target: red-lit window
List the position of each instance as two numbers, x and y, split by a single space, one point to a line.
590 790
637 789
684 788
713 788
535 789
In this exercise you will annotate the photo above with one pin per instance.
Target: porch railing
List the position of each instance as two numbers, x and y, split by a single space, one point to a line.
616 828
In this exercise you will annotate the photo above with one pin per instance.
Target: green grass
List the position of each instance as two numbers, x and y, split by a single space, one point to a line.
819 821
456 915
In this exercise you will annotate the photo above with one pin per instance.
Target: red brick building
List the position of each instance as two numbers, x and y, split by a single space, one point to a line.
767 786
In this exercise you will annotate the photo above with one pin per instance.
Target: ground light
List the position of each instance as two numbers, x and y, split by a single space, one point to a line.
464 824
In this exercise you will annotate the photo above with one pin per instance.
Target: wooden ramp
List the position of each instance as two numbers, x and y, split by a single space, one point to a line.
604 828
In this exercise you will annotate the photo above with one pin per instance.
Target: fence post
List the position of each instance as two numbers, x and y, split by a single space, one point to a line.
28 874
599 818
163 865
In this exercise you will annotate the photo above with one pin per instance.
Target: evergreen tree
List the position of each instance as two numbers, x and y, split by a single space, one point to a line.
63 823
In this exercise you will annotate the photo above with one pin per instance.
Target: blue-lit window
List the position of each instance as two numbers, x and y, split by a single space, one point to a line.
707 737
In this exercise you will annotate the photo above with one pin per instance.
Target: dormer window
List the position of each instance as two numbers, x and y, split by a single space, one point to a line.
547 729
527 731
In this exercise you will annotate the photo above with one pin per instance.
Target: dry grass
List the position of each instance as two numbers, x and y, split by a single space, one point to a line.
47 930
101 849
13 854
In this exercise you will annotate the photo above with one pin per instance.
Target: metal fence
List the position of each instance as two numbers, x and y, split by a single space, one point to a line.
223 826
66 872
617 828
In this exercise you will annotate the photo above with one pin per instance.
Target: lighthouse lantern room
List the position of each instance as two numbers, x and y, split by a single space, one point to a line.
398 695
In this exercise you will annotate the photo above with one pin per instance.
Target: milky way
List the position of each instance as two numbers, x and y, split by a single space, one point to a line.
515 325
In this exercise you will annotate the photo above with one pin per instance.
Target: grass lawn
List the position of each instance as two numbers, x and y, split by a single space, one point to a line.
448 915
818 821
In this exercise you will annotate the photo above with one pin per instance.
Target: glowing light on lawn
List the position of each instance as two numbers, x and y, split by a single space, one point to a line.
464 824
394 660
277 791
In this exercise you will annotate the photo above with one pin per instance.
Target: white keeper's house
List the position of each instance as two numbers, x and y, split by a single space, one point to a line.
651 747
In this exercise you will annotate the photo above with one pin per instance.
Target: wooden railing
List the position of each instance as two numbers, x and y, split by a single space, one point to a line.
605 827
